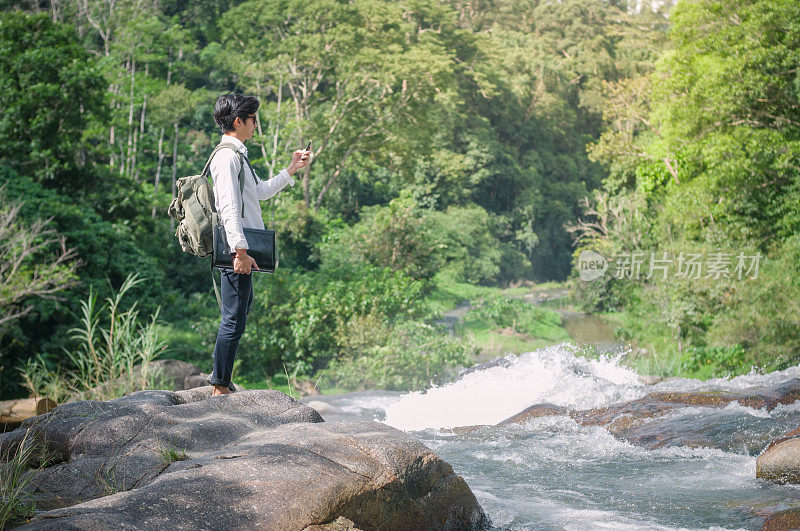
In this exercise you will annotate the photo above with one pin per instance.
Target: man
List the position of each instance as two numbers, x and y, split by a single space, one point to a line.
235 115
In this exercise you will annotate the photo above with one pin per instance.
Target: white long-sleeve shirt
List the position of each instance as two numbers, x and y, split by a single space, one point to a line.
225 175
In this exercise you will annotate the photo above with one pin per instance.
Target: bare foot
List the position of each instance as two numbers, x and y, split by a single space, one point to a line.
220 390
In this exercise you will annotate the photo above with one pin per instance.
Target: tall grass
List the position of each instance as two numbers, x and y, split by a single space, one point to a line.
109 342
15 474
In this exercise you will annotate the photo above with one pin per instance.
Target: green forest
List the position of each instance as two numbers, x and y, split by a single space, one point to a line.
461 150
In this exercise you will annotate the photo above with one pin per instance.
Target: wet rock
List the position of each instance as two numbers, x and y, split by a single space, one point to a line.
249 460
532 412
783 520
641 421
781 462
463 430
340 524
788 435
496 362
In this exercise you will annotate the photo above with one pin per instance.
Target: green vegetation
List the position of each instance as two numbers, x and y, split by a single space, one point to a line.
17 468
112 358
447 292
408 357
170 454
447 140
14 503
499 325
452 147
703 154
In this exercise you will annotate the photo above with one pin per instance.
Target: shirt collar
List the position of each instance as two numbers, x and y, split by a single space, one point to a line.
236 142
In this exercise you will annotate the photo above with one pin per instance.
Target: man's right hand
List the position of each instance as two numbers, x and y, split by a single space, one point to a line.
243 262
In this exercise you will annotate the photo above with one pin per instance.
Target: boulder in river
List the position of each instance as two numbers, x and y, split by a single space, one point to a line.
782 520
533 412
781 462
249 460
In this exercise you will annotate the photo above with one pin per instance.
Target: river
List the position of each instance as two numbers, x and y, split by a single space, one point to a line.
553 473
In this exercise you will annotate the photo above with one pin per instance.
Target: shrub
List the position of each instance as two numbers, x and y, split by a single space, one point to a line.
17 467
420 242
301 320
397 236
415 356
762 314
516 314
715 361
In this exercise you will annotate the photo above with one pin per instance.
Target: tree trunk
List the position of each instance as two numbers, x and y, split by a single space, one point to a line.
132 163
160 147
129 156
277 125
114 89
174 166
55 11
158 170
135 168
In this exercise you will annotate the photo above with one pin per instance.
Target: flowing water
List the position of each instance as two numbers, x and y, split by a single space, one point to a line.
552 473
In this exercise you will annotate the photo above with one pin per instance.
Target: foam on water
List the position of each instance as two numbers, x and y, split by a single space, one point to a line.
752 379
554 375
554 473
782 410
732 409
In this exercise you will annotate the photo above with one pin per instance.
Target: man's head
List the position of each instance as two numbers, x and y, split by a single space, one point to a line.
235 114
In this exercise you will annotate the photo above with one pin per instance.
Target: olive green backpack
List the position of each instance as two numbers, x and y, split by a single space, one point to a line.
193 208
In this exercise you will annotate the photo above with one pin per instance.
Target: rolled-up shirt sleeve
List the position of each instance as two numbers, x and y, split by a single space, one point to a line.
270 187
225 174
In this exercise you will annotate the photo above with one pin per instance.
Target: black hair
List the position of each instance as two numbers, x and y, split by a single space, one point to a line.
230 106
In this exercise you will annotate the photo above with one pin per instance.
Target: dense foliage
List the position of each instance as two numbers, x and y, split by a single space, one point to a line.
703 153
448 137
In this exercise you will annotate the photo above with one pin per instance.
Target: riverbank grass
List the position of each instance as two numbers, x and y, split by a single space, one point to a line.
498 325
111 353
448 293
655 350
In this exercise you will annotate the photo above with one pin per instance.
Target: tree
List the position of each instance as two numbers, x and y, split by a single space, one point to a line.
51 90
713 133
34 262
360 78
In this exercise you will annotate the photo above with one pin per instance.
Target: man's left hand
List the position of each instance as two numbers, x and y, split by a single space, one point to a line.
300 159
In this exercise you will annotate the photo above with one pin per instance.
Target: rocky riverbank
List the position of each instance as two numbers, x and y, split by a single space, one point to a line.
646 422
250 460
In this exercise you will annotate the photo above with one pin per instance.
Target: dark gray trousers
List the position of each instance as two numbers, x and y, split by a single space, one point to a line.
236 292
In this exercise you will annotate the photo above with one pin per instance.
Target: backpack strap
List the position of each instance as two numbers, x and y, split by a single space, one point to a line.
224 145
252 171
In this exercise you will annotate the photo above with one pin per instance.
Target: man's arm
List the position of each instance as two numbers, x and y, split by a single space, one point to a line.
267 189
270 187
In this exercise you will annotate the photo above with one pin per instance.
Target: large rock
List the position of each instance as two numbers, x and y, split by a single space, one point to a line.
781 462
782 520
248 460
176 375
